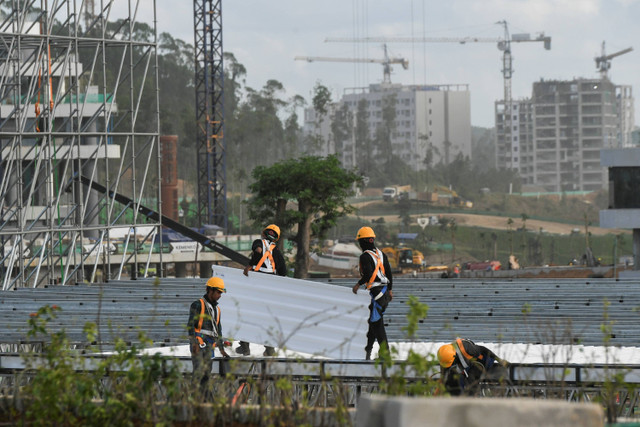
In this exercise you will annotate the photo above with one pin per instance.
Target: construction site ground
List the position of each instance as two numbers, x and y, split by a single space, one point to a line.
492 222
500 223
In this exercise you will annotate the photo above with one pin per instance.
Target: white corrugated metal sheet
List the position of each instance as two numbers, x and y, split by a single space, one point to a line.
301 315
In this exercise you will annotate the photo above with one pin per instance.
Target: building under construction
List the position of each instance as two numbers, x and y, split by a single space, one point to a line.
78 107
554 138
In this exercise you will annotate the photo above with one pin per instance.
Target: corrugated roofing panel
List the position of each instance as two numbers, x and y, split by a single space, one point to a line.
304 316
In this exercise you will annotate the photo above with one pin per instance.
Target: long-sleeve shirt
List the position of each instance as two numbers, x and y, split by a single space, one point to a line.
208 322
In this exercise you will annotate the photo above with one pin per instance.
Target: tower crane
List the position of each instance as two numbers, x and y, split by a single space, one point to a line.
503 43
386 62
603 62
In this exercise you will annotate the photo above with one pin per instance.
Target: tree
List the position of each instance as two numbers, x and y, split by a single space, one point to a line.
309 192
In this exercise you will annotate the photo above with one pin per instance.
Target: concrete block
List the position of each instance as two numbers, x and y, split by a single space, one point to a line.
383 411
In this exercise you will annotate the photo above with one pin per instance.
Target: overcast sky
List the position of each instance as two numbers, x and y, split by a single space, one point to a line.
266 35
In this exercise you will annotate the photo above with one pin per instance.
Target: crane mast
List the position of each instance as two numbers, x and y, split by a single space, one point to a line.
212 189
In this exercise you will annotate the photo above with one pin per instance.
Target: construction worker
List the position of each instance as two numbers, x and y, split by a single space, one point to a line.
375 274
205 331
463 364
456 271
265 258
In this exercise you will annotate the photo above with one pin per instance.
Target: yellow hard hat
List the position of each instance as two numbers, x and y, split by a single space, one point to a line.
216 283
365 233
272 232
446 354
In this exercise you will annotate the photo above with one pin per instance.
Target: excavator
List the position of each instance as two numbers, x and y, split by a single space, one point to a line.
402 259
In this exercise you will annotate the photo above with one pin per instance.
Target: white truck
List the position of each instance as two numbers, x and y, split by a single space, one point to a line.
394 192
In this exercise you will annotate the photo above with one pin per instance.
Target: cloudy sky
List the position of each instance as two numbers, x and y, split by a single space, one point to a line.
265 36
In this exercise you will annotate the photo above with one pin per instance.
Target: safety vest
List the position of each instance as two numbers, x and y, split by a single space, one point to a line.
378 271
463 356
202 334
266 263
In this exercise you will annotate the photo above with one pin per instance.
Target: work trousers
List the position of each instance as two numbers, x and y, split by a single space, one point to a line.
202 361
376 322
376 332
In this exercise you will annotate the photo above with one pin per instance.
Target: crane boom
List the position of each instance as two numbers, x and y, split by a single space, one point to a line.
518 38
603 62
386 62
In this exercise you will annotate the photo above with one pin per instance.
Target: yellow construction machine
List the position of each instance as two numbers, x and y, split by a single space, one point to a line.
404 258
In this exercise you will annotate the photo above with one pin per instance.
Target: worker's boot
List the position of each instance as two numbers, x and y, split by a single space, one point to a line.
269 351
368 355
243 349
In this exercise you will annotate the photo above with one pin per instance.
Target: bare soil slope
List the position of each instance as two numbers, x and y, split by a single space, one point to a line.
500 223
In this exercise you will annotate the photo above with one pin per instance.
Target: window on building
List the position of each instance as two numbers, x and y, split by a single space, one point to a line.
625 182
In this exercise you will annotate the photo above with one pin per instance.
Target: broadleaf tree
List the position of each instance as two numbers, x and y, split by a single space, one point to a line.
305 196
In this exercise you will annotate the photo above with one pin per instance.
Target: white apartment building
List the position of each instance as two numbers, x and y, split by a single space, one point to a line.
435 117
554 138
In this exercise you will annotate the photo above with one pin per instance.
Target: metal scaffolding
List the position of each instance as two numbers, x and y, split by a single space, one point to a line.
78 98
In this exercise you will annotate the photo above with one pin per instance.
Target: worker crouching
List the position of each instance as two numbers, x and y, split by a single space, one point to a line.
463 364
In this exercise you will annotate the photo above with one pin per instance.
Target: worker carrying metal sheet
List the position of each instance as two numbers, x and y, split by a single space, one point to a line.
205 332
463 364
375 274
265 258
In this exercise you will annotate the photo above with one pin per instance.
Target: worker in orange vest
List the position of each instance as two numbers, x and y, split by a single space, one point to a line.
463 364
265 258
375 274
205 331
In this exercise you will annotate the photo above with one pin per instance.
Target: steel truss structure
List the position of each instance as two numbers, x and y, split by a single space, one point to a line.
78 97
212 188
330 383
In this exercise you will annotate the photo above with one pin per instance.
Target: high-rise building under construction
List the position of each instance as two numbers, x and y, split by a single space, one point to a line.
557 134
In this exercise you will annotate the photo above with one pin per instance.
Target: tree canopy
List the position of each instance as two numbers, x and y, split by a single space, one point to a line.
305 196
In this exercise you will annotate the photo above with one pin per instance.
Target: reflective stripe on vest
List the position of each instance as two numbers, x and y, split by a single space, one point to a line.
198 328
378 272
266 263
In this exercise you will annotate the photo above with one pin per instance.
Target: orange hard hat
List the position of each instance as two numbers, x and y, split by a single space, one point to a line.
272 232
446 354
365 233
216 283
